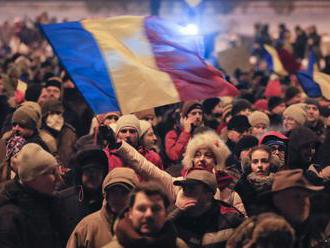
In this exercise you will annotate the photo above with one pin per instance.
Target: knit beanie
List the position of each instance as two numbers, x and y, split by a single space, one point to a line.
273 102
273 88
312 101
52 106
239 105
261 104
239 123
258 117
290 93
128 121
144 125
209 104
55 82
33 161
296 112
28 115
190 105
246 142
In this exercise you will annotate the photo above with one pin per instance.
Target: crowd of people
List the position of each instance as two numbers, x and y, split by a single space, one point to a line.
245 171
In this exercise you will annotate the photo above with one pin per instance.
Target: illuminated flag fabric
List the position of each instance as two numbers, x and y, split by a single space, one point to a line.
132 63
271 57
314 82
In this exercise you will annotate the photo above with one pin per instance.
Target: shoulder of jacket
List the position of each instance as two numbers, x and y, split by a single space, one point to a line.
70 127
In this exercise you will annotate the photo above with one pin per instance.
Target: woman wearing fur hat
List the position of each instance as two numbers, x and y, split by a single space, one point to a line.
205 150
257 177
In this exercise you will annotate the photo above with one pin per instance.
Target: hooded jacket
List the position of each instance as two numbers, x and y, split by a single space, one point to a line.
298 138
95 230
74 203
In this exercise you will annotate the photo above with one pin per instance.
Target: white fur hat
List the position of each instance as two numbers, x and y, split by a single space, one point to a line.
207 139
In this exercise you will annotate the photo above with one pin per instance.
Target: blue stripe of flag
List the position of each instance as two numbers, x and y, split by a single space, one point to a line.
306 81
80 55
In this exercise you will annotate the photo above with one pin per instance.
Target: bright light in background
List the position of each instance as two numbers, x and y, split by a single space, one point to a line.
190 29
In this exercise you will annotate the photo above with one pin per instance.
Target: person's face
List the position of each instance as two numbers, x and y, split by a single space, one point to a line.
279 152
279 109
21 130
245 112
204 158
289 123
148 214
196 115
53 92
260 162
258 130
92 178
46 182
149 139
293 203
117 197
129 134
313 113
198 195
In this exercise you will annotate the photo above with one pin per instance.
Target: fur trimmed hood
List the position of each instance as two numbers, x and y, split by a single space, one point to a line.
207 139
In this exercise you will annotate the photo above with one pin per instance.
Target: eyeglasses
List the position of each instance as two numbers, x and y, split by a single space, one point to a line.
277 148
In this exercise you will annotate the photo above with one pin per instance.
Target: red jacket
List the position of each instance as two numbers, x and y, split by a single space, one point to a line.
115 161
175 144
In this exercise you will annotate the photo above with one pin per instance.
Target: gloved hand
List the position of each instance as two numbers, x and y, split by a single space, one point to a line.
107 137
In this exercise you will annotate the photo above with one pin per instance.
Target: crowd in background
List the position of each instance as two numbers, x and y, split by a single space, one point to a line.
249 171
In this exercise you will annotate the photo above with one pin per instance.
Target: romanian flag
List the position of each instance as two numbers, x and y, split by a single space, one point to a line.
129 63
271 57
314 82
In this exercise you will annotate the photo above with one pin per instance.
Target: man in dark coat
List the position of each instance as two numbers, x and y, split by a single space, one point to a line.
85 197
203 221
25 217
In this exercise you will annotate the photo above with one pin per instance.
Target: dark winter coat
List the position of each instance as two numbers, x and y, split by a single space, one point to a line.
212 229
25 218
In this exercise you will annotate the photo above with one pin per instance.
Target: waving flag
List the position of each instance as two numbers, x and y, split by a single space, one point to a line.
134 63
314 83
271 57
